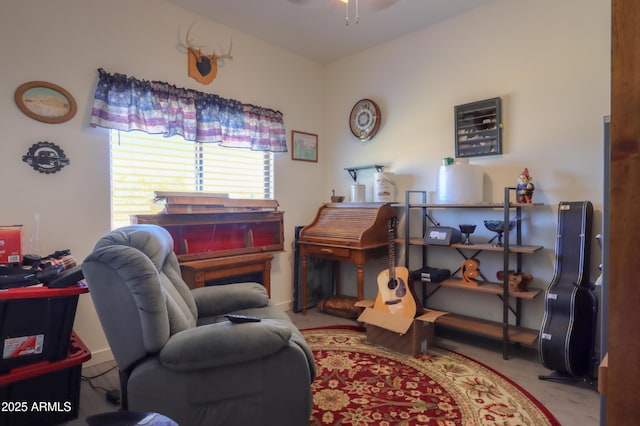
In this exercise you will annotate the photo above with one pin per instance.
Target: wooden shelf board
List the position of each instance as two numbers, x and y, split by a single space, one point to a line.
526 249
488 328
489 247
468 206
489 288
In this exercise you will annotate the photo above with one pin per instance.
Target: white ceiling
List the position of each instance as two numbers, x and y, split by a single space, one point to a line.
317 29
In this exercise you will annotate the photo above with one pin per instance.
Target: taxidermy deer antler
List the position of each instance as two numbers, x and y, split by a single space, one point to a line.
203 68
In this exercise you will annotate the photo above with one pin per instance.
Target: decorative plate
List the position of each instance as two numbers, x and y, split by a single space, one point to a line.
364 119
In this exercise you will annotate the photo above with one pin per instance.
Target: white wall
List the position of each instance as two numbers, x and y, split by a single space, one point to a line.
65 42
549 61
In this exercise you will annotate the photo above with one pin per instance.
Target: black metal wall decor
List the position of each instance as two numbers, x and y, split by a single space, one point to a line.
478 128
46 157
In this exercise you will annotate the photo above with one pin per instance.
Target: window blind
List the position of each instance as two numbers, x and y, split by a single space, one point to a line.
142 164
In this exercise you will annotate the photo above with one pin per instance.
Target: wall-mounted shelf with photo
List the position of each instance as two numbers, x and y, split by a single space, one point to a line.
478 128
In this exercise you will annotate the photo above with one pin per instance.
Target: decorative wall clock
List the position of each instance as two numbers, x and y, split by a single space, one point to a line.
364 120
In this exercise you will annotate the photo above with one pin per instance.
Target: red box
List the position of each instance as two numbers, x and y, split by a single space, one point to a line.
11 244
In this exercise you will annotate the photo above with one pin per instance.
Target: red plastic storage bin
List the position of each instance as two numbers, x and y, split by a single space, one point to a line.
36 324
45 393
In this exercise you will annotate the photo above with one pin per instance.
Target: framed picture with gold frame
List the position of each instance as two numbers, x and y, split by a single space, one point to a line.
304 146
46 102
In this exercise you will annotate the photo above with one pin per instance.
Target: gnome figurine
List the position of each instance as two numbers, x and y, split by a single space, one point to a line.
525 187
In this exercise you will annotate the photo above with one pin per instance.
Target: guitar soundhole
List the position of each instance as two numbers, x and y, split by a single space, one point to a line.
392 284
398 285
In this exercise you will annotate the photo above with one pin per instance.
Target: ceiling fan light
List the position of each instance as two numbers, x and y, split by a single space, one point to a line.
346 2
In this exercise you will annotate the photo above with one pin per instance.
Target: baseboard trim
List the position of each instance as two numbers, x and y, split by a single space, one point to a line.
285 306
99 357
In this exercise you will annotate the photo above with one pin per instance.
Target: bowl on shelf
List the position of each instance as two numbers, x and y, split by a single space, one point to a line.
467 229
497 226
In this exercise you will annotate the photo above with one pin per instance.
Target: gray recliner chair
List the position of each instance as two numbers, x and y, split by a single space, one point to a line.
177 353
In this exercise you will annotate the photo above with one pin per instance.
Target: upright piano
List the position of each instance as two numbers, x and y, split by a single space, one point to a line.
346 232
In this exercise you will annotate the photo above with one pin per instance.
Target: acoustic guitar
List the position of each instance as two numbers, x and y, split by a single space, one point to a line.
395 294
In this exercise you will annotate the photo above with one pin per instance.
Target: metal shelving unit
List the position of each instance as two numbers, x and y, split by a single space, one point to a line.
507 330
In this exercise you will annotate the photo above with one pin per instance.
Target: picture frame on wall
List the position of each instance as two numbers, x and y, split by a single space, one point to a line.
46 102
304 146
478 128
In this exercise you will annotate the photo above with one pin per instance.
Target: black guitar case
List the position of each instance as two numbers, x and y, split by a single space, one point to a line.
567 336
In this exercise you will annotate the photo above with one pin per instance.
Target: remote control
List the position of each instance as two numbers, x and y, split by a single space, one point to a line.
242 318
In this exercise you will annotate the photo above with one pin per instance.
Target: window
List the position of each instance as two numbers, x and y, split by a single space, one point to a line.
142 163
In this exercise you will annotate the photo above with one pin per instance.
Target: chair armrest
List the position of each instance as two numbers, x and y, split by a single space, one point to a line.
223 299
224 343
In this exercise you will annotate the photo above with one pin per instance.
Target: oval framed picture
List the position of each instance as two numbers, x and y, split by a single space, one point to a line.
46 102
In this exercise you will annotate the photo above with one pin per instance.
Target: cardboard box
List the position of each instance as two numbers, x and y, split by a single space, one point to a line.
399 333
415 341
602 375
11 244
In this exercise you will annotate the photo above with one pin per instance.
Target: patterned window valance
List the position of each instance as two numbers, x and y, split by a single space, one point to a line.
126 103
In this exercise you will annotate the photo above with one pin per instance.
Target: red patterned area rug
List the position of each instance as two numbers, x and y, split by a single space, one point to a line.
361 384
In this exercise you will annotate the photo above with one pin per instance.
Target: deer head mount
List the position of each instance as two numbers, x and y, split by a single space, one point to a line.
202 67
